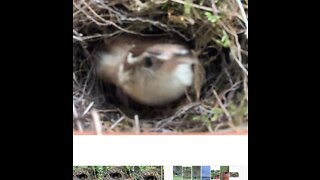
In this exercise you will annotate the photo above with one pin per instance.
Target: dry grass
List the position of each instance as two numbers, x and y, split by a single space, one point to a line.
216 29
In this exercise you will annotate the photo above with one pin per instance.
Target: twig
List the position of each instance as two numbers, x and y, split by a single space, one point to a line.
238 60
245 86
117 11
96 122
233 87
209 127
219 125
76 33
86 82
228 75
93 12
155 23
84 38
182 110
222 106
75 79
193 5
116 123
158 24
137 124
75 114
214 8
88 108
232 126
231 129
105 22
238 57
108 110
244 15
77 38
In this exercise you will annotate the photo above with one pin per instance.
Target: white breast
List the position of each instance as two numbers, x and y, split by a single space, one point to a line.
184 73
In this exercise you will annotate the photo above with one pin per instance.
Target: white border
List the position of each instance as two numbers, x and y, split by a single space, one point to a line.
160 150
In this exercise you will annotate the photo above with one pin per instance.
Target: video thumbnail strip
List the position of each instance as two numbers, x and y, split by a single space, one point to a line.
156 173
206 172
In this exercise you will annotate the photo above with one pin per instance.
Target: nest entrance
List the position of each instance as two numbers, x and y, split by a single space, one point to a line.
115 175
151 177
82 174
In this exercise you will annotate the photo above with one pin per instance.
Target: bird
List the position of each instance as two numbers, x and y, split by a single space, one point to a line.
151 70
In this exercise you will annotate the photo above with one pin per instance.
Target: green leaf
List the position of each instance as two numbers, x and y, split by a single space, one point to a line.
225 41
196 118
207 13
187 7
217 112
212 18
164 6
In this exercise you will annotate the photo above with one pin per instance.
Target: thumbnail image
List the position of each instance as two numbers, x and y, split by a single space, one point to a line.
205 172
186 173
196 173
225 175
177 173
234 174
215 172
118 173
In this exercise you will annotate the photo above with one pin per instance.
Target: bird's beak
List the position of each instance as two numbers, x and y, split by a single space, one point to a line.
129 61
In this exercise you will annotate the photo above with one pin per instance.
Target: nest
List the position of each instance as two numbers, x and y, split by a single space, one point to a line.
83 173
116 173
217 32
152 174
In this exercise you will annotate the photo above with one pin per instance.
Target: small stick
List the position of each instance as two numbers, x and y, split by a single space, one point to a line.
77 38
96 122
88 108
245 86
214 8
193 5
137 124
75 114
244 15
116 123
222 106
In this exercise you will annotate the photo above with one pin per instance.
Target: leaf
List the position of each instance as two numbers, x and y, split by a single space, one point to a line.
225 41
199 78
212 18
187 7
207 14
196 118
217 112
164 6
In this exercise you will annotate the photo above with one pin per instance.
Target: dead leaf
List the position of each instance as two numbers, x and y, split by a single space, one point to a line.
199 79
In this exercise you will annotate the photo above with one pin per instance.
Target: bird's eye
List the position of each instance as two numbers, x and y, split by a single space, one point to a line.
148 62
